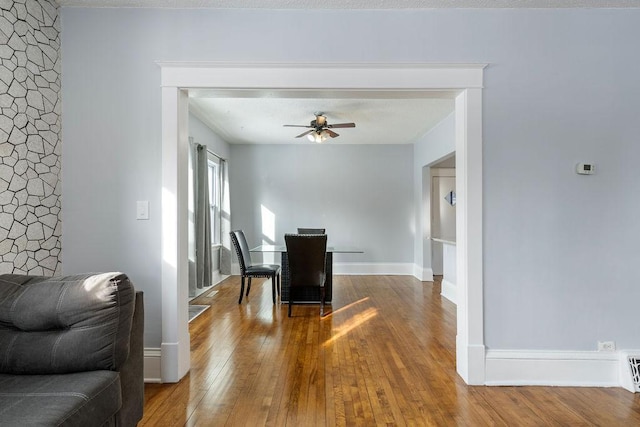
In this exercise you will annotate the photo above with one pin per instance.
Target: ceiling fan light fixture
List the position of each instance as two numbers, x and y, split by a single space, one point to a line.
320 129
318 136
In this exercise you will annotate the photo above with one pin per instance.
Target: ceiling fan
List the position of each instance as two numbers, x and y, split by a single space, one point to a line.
320 130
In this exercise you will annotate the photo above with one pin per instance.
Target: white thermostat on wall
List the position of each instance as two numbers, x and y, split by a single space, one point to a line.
585 168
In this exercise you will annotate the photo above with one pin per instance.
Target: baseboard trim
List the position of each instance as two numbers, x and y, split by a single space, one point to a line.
470 361
373 269
422 274
552 368
152 365
449 291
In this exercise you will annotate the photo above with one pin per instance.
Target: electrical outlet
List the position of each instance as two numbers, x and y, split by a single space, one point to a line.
606 346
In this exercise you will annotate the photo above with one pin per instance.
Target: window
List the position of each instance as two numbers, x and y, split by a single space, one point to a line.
214 198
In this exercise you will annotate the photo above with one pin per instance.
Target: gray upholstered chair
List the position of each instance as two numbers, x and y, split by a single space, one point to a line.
307 267
249 270
311 230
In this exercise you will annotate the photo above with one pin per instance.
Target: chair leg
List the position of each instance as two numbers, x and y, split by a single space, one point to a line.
241 290
279 283
248 285
290 302
273 288
322 301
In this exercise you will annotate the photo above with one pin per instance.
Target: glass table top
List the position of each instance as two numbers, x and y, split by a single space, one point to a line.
334 249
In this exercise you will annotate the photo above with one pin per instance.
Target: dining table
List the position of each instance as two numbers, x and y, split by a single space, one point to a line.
311 295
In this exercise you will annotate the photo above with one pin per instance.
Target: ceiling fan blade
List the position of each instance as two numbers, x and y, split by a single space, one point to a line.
298 126
331 133
305 133
342 125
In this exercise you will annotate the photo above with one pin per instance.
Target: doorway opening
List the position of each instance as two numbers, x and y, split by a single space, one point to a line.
442 218
464 80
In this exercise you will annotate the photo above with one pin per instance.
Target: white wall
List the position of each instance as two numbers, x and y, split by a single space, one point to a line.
437 144
361 195
562 87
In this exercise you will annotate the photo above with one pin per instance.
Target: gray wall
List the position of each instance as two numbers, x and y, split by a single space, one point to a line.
562 87
30 227
202 134
361 194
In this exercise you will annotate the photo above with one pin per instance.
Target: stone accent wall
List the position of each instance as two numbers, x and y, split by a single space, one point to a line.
30 146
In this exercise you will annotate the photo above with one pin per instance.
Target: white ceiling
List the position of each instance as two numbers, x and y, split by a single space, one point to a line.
381 117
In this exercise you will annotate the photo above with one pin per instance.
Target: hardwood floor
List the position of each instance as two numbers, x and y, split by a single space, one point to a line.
385 355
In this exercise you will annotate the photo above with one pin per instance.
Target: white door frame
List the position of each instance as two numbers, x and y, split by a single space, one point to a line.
463 79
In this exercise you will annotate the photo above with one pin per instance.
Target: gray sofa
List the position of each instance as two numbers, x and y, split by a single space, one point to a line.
71 351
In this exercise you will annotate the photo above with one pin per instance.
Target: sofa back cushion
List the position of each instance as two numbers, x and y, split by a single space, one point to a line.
52 325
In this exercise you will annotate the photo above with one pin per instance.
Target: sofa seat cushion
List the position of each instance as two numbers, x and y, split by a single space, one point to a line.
77 399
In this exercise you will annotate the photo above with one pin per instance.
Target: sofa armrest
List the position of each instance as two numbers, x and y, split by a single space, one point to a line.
132 371
57 325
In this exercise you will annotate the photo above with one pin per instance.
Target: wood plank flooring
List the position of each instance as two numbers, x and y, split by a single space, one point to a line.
383 356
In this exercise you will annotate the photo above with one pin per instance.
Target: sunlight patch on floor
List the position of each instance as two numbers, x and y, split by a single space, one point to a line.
355 321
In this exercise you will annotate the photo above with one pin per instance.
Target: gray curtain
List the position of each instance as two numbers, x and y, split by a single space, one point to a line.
202 218
225 220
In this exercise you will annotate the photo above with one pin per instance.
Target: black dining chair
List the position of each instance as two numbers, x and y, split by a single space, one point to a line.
311 231
307 267
249 270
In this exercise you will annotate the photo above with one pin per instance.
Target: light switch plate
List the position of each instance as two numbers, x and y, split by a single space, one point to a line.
142 209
